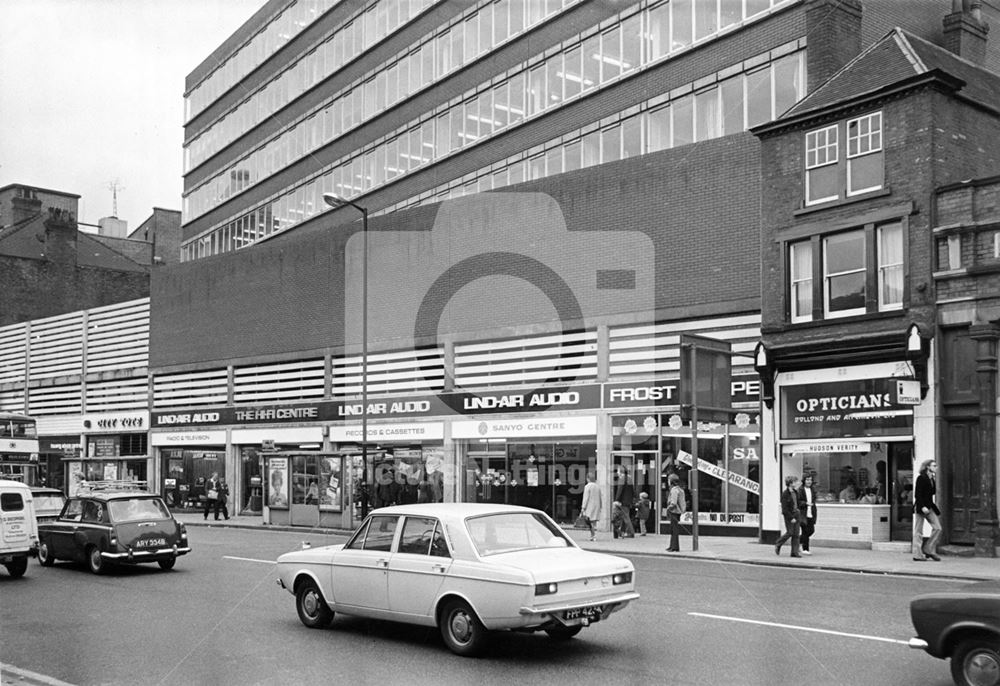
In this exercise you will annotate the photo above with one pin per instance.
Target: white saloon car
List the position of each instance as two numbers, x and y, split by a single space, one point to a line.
466 568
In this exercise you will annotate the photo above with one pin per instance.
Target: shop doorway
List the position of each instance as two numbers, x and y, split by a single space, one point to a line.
900 482
634 473
960 462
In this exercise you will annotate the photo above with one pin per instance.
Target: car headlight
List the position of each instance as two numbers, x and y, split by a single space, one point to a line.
546 589
621 578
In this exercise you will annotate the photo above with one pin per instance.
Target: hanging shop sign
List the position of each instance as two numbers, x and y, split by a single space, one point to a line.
843 409
524 428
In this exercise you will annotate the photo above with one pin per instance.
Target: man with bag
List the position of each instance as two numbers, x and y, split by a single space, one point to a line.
212 495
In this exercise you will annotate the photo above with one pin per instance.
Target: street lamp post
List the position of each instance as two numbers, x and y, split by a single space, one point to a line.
336 201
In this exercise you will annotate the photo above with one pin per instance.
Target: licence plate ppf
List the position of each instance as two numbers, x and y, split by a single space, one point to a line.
593 613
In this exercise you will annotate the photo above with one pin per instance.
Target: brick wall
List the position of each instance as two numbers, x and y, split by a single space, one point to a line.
35 289
695 208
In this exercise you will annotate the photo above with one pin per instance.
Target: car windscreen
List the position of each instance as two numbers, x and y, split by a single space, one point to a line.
48 502
510 531
138 509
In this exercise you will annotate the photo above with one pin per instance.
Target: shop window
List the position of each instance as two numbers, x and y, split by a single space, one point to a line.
847 284
844 159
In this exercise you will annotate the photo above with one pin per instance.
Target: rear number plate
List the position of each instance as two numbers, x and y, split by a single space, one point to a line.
592 613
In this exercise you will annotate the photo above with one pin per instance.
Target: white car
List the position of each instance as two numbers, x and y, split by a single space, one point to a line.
467 568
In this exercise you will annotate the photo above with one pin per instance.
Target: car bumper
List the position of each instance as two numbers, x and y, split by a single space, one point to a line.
918 643
585 612
146 555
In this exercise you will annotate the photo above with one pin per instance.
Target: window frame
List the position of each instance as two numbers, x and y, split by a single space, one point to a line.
878 270
858 140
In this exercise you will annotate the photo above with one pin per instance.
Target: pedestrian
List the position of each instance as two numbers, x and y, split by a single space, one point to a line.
676 506
592 503
790 511
807 512
212 495
643 508
223 500
925 509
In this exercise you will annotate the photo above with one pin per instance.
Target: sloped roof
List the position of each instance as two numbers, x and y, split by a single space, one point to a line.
21 240
895 58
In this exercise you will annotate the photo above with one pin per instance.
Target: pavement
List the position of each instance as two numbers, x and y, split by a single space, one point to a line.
892 558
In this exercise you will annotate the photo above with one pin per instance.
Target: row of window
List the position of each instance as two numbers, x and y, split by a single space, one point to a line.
344 45
847 273
279 30
647 34
727 106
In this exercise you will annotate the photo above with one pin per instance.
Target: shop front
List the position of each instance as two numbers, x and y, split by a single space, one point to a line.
53 453
405 464
115 447
853 430
540 461
247 490
650 441
187 460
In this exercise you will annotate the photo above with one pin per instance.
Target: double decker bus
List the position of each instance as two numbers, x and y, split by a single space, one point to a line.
18 448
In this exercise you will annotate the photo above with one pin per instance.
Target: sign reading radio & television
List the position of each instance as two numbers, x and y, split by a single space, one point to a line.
859 407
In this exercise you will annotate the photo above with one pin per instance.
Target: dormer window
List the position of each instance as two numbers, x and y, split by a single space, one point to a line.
844 159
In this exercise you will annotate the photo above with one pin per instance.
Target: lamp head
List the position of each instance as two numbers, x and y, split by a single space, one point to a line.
334 200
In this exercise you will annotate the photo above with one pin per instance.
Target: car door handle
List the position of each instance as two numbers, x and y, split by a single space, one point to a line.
382 563
439 568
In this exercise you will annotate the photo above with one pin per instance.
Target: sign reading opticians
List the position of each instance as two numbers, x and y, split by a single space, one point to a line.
844 409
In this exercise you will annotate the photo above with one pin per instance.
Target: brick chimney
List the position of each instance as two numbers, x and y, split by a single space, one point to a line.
60 237
834 30
965 31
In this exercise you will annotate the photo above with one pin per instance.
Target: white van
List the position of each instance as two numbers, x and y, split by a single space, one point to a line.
18 528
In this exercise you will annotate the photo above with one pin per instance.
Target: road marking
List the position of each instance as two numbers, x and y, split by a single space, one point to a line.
247 559
800 628
35 677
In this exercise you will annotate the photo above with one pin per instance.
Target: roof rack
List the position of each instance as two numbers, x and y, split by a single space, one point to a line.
115 485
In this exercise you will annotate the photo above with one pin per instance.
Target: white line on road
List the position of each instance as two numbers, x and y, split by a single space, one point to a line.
799 628
247 559
27 676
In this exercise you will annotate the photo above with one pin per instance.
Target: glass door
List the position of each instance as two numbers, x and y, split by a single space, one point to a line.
900 483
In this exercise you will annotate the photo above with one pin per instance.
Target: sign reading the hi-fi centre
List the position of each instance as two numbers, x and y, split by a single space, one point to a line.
442 404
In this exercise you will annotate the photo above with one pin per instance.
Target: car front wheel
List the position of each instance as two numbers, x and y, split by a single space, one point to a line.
95 561
45 555
461 629
167 565
976 662
312 608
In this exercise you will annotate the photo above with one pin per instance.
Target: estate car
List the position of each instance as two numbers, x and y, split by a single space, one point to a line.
106 525
466 568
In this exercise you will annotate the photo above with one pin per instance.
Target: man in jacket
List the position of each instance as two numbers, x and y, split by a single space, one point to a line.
790 511
924 508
